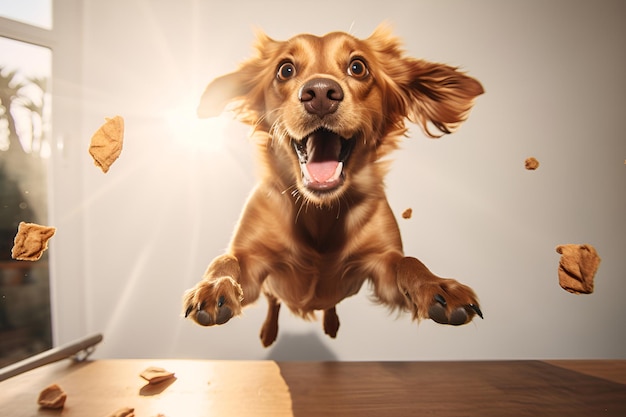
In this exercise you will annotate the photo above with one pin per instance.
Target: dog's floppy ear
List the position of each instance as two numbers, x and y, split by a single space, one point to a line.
244 87
220 92
426 93
438 95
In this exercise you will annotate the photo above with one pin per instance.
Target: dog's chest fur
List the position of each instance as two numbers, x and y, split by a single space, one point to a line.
311 263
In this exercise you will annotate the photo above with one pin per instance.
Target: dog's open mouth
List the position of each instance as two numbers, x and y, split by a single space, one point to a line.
323 155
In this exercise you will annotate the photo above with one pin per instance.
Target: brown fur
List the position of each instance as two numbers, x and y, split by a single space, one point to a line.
307 243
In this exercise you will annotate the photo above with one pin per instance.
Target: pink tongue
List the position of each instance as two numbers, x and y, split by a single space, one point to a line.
322 171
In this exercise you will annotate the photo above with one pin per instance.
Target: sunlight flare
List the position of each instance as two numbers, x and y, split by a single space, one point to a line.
189 130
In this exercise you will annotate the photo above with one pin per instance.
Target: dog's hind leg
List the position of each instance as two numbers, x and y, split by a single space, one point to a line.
269 331
331 322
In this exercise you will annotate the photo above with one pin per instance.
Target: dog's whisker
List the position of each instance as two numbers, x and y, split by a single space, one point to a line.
276 131
291 188
301 205
350 31
263 116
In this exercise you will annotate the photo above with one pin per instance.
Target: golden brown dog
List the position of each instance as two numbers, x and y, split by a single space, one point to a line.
326 111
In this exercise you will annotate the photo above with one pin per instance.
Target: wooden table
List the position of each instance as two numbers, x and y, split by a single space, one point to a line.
381 389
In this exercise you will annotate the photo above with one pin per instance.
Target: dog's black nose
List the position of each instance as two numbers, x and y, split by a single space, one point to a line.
321 96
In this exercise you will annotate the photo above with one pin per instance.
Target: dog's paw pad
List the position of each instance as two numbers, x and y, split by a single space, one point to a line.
438 312
215 302
458 317
224 313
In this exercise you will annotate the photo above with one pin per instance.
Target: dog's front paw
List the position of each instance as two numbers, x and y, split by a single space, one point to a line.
445 301
456 314
213 301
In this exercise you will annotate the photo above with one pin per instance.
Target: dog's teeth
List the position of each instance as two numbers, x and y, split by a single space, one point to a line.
338 171
305 172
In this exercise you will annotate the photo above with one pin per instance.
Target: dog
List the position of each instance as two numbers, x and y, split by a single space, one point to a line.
325 112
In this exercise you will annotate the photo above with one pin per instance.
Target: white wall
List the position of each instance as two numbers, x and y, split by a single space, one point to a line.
555 86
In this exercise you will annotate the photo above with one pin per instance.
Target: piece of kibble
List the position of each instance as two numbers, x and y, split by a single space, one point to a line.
531 164
123 412
52 397
31 241
577 268
154 374
106 144
406 214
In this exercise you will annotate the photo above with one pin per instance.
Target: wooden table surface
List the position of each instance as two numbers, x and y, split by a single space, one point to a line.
381 389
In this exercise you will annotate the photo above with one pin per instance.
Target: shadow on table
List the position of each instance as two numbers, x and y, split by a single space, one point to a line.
300 347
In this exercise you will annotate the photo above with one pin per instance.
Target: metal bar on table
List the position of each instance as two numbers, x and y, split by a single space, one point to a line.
85 345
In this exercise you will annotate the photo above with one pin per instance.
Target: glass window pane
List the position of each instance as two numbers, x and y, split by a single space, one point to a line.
33 12
25 101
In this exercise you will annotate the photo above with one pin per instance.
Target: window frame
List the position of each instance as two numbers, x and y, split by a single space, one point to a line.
66 254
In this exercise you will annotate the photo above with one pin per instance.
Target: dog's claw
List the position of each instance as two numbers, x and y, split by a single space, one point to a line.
188 311
439 298
477 310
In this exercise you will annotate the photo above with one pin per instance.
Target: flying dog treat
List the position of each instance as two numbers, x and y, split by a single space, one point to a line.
577 267
123 412
154 375
106 143
406 214
52 397
30 241
531 164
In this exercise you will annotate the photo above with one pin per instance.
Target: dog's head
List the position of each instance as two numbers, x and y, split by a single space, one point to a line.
332 106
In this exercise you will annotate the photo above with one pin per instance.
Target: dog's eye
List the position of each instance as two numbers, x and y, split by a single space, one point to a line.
286 71
357 68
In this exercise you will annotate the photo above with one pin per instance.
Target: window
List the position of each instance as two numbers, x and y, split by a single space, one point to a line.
33 12
25 137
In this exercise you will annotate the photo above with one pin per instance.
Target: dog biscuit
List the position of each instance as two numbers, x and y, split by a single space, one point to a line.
531 164
106 143
406 214
31 241
52 397
154 375
577 267
123 412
